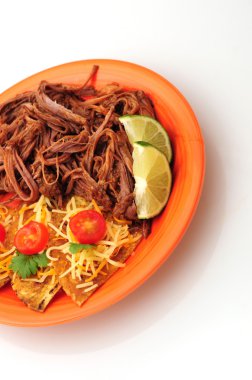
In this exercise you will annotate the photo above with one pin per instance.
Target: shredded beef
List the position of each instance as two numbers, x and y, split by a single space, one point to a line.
63 139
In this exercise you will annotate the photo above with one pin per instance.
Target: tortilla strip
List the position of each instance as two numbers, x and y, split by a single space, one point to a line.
8 243
69 285
36 295
4 281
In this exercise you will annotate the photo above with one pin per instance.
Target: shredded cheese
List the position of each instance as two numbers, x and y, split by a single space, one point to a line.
55 248
58 232
83 266
7 221
96 207
103 263
21 218
84 285
68 270
42 275
6 260
122 221
38 209
59 211
39 212
7 253
88 264
91 288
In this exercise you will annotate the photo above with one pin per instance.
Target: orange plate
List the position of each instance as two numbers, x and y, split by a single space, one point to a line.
176 116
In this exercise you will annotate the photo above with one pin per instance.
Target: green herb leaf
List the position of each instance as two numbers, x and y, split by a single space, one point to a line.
41 260
26 265
75 247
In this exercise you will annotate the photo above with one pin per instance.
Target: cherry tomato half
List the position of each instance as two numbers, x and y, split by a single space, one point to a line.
88 226
2 233
32 238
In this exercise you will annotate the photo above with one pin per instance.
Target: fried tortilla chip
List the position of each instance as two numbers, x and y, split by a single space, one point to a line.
4 281
8 243
36 295
69 284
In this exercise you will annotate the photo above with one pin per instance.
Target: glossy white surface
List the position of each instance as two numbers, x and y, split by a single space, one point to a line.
192 319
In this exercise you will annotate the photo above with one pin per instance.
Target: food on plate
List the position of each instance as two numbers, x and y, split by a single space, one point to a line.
77 187
88 226
32 276
36 295
86 265
9 223
31 238
153 180
147 129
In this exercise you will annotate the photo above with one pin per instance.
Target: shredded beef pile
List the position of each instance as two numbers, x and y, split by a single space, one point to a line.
62 140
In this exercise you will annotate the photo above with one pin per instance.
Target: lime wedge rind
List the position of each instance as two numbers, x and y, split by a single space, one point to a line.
149 163
137 126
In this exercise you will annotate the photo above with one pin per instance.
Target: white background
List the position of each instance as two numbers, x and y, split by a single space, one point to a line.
193 318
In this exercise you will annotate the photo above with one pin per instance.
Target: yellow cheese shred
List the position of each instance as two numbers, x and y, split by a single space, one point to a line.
96 207
90 288
103 263
122 221
84 285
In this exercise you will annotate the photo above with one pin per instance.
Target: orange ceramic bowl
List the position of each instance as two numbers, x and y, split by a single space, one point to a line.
177 117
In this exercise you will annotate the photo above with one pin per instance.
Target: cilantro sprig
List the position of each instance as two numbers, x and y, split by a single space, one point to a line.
26 265
76 247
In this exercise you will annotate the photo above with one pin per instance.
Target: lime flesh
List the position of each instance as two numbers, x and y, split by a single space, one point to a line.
153 180
145 128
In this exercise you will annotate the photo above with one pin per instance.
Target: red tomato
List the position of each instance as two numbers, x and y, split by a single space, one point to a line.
14 204
5 197
87 97
32 238
2 233
88 226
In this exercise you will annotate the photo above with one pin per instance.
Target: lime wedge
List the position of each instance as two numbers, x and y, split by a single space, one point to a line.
145 128
153 179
